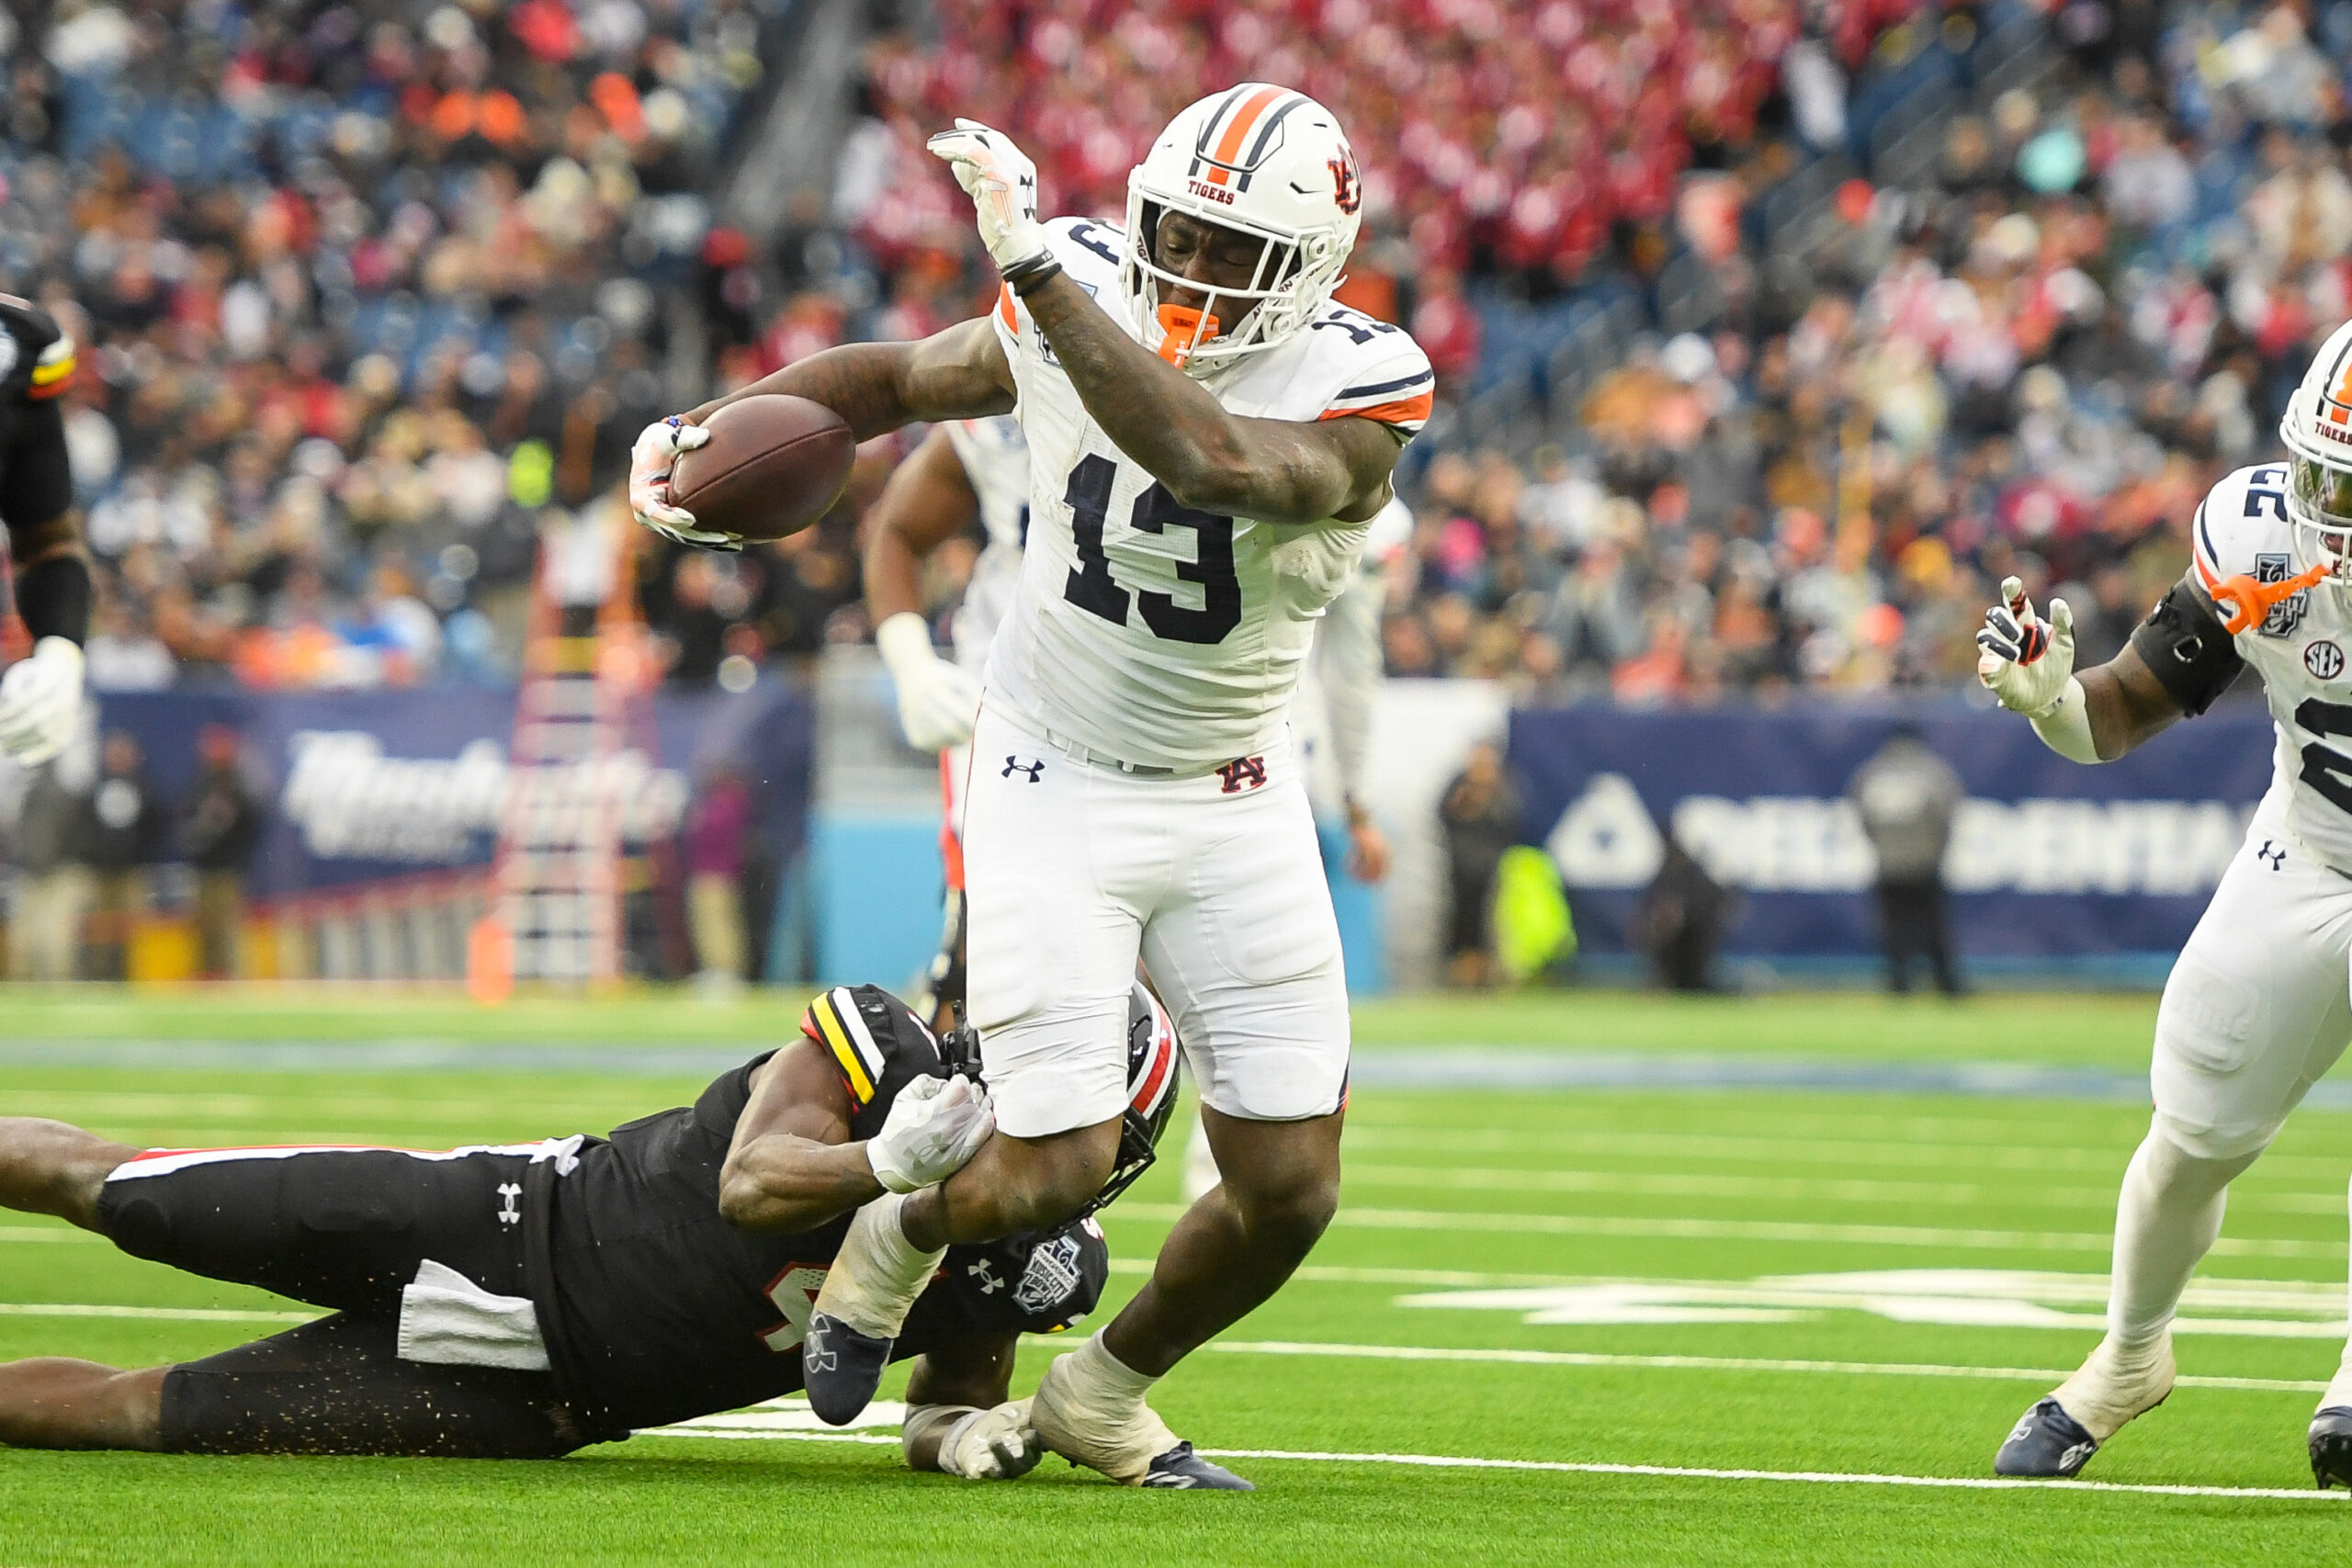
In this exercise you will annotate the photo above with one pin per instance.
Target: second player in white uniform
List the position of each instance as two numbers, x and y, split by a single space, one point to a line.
2259 1004
1209 439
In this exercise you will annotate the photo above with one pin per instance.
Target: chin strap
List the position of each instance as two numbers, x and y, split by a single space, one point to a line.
2250 602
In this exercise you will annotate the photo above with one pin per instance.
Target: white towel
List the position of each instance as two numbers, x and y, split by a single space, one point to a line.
447 1319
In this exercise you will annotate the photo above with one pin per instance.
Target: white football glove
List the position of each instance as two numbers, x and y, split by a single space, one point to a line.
992 1445
934 1128
650 464
1002 184
2024 662
938 701
40 702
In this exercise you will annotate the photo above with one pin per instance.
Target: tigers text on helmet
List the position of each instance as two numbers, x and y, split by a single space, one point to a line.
2317 429
1258 160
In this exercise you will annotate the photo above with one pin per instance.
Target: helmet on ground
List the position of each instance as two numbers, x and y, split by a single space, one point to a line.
1262 161
2317 429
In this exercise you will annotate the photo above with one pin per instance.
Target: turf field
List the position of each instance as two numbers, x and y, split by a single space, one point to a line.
1700 1313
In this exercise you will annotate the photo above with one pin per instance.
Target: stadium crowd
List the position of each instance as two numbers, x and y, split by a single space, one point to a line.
372 297
365 293
1825 440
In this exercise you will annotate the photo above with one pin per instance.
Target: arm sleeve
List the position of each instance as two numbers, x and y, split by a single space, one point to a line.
2188 649
1349 660
35 480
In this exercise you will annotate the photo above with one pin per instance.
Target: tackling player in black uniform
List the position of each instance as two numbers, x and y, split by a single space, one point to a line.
40 696
522 1300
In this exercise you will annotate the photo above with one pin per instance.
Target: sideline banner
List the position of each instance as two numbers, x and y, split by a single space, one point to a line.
2049 859
364 786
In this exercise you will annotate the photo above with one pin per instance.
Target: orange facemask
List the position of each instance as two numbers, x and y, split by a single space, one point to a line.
1178 323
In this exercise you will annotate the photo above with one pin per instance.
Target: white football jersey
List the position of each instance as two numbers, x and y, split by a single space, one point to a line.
1147 632
2302 650
996 460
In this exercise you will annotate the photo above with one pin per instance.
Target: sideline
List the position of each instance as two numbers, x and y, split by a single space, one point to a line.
1660 1471
1716 1363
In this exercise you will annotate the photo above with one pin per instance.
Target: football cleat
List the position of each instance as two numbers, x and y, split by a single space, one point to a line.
1180 1469
2331 1445
2046 1442
840 1367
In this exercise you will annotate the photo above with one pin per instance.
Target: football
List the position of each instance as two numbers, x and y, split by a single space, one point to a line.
772 466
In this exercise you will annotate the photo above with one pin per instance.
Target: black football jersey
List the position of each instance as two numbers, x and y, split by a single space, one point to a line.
660 1310
36 365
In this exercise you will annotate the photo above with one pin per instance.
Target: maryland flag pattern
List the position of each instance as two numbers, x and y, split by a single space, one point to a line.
833 1021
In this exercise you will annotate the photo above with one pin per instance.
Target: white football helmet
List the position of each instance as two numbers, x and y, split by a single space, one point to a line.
1263 161
2317 429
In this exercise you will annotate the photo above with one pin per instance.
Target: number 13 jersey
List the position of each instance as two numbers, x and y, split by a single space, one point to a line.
1147 632
2301 650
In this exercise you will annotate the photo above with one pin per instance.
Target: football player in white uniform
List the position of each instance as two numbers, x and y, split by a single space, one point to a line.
2256 1007
1209 439
965 468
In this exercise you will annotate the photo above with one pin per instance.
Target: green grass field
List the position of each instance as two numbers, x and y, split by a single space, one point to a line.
1701 1323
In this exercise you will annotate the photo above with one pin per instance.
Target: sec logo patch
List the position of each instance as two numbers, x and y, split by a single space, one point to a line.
2323 658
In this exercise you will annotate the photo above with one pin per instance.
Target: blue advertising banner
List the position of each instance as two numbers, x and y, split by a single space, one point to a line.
364 786
2049 860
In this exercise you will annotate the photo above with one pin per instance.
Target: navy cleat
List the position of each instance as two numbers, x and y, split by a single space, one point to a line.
1179 1468
2331 1444
840 1367
2045 1442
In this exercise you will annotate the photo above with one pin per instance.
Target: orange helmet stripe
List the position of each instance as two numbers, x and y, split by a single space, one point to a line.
1229 145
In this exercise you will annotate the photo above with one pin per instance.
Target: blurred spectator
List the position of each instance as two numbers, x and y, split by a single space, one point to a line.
718 848
1480 813
1680 918
120 834
51 891
1908 796
220 824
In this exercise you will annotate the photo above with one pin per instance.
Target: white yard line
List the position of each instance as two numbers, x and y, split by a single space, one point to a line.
177 1315
1712 1363
30 1233
1666 1228
1660 1471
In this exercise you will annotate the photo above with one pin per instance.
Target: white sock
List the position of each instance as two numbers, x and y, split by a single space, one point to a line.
2339 1387
878 1273
1108 1374
2165 1220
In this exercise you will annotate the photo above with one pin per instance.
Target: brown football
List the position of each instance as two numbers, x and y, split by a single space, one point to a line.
772 466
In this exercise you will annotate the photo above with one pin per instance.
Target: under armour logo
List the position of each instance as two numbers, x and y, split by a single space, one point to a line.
1015 765
990 1284
814 1356
509 1215
2277 858
1242 772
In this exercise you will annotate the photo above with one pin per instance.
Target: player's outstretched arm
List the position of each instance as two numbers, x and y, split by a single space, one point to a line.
959 373
2101 714
791 1167
959 1419
1275 471
928 500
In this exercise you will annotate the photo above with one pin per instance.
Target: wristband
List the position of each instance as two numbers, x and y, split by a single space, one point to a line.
1024 275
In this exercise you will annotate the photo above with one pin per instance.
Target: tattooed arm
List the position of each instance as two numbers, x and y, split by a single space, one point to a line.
960 373
1275 471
